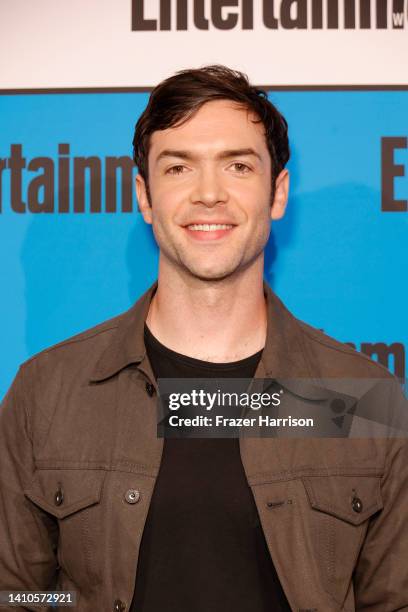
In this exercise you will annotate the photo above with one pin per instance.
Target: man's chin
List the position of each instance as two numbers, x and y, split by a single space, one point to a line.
211 275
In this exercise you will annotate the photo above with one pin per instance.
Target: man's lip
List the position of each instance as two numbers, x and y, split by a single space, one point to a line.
209 223
211 235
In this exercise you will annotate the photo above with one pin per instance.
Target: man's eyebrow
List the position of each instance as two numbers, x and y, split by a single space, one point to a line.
189 156
175 153
238 153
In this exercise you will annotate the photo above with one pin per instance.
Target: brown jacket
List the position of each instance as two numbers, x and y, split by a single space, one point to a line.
78 434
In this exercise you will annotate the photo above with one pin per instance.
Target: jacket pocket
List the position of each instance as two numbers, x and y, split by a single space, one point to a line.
353 499
340 509
74 498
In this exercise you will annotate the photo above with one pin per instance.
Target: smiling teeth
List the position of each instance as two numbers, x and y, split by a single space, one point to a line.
208 228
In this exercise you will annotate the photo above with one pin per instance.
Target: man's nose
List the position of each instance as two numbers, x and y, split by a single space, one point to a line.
209 188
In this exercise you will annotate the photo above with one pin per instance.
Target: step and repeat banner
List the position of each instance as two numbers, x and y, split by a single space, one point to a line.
74 78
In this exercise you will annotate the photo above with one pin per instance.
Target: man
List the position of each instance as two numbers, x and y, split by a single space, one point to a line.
93 501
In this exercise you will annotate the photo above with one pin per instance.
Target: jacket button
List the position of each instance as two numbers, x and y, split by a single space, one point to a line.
59 496
132 496
119 606
149 389
357 504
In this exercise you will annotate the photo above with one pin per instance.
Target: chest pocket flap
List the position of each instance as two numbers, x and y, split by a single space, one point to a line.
62 492
351 498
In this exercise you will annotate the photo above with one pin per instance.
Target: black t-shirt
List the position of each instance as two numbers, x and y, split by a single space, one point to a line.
203 548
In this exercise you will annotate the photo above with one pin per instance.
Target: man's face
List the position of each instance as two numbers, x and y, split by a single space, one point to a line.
210 187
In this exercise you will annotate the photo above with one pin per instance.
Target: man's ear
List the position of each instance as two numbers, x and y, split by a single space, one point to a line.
280 198
143 199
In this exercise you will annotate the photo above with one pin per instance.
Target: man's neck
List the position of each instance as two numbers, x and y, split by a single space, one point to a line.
218 322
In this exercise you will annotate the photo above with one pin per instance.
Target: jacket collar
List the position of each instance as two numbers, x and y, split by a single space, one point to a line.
127 345
283 356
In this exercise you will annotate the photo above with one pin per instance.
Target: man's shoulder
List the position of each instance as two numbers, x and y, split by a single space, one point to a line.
80 351
338 359
78 355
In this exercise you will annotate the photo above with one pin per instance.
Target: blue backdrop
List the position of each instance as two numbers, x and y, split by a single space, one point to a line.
337 260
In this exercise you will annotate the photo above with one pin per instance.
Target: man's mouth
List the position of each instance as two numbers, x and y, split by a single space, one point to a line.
205 227
209 231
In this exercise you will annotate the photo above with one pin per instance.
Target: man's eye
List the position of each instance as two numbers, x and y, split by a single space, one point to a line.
175 170
241 168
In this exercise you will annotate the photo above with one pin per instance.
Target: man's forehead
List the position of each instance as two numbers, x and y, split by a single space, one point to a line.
217 124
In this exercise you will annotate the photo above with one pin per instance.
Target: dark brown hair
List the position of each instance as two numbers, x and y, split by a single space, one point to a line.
178 97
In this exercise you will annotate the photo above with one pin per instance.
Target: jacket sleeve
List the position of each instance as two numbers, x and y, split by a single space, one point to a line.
381 575
28 535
